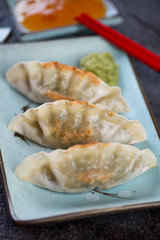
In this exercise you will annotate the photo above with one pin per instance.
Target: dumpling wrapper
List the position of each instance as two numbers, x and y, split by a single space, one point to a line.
64 123
84 167
44 82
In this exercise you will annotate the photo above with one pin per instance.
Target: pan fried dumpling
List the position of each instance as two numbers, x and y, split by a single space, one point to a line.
44 82
64 123
84 167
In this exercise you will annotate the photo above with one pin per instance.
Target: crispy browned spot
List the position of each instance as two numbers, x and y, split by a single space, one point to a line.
80 72
48 65
68 135
81 103
93 175
56 96
90 75
110 113
86 145
94 79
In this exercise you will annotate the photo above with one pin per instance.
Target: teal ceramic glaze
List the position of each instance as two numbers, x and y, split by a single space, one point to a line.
112 18
29 203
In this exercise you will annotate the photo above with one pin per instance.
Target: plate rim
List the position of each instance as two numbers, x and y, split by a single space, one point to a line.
85 213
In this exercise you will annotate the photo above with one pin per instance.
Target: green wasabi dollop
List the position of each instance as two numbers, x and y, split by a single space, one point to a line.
102 65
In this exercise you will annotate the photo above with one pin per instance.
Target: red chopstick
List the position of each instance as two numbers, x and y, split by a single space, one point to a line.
126 44
122 37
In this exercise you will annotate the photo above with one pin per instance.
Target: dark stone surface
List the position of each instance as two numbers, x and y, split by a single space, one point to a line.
141 23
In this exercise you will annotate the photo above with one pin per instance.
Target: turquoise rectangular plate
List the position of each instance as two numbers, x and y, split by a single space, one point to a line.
112 18
30 204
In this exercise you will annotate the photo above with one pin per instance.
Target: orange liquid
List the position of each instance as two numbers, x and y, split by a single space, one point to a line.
37 15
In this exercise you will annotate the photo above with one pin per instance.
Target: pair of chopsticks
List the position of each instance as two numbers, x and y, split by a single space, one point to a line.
131 47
